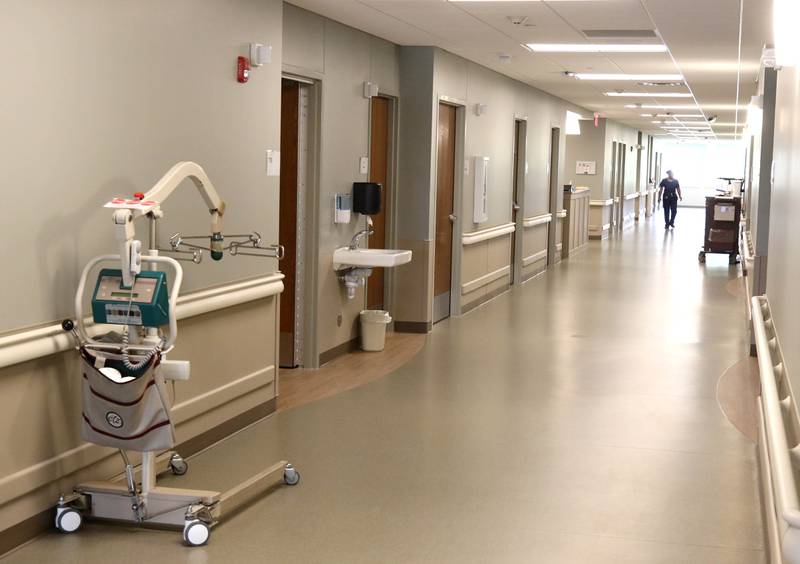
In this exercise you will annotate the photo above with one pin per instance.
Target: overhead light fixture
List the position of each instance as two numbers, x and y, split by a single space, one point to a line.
665 106
594 48
623 76
660 83
680 115
785 14
650 94
646 115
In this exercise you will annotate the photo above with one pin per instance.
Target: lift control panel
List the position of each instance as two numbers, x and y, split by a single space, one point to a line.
146 303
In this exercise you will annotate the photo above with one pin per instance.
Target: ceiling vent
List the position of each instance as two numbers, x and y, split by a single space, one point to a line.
620 33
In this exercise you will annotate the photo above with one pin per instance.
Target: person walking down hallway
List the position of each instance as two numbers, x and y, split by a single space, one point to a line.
670 188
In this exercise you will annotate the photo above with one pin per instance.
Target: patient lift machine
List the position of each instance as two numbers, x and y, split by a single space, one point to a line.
124 375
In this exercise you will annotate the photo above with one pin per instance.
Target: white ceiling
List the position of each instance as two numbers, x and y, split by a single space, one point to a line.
702 37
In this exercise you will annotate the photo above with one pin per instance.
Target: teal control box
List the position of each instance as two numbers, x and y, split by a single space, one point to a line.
146 303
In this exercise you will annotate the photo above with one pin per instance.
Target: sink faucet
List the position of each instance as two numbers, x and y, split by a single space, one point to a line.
356 240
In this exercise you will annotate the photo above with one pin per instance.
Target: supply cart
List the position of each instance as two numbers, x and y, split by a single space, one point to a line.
722 227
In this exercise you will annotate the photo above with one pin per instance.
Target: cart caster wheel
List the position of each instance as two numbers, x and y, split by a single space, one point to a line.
291 477
68 520
195 532
733 260
177 465
701 257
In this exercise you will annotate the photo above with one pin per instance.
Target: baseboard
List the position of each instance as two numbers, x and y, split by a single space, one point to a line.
339 350
30 528
483 299
413 326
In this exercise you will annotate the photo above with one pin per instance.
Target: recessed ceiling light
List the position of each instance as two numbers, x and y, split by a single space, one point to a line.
594 47
647 115
650 94
623 76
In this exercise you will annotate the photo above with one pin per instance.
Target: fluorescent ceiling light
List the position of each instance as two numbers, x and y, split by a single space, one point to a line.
680 115
665 107
785 14
623 76
594 48
647 115
650 94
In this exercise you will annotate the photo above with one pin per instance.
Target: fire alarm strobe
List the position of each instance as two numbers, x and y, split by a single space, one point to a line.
242 69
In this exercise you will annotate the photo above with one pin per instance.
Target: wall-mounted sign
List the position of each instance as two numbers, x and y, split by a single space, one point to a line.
586 167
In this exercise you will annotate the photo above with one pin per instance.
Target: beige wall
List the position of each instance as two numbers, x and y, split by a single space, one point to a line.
341 59
492 135
590 145
784 236
100 99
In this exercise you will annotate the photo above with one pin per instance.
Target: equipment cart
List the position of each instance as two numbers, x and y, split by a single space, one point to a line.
722 227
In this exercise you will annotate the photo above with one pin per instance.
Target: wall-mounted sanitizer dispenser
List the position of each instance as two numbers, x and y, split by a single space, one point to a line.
341 208
480 213
367 198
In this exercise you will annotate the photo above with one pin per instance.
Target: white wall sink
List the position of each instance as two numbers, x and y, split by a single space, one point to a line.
369 258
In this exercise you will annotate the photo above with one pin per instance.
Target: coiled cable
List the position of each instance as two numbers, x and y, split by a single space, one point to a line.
126 360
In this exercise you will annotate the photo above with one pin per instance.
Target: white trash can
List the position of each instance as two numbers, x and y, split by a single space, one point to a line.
373 329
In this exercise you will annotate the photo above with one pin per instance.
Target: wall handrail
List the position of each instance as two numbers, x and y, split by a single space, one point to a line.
777 449
601 203
489 233
38 342
537 220
747 246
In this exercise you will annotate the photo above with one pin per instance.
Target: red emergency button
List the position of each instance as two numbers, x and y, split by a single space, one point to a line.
138 195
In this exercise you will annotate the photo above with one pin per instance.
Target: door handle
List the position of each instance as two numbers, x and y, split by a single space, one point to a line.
452 218
515 206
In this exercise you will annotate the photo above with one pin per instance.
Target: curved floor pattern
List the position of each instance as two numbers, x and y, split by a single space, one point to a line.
571 421
737 390
299 387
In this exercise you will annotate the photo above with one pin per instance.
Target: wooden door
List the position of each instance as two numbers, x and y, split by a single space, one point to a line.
519 174
555 141
445 187
287 222
379 164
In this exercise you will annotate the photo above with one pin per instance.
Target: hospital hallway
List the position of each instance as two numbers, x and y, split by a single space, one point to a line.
588 432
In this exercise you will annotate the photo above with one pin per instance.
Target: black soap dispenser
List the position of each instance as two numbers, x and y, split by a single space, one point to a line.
367 198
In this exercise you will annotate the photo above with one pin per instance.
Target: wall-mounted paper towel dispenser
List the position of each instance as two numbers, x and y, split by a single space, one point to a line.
367 197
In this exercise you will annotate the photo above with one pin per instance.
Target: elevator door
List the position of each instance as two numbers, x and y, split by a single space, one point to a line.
445 187
379 172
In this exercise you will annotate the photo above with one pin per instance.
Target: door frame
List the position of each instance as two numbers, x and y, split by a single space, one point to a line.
458 185
519 192
552 192
310 262
389 282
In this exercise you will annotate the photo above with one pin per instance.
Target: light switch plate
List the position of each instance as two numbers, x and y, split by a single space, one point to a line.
363 165
273 162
